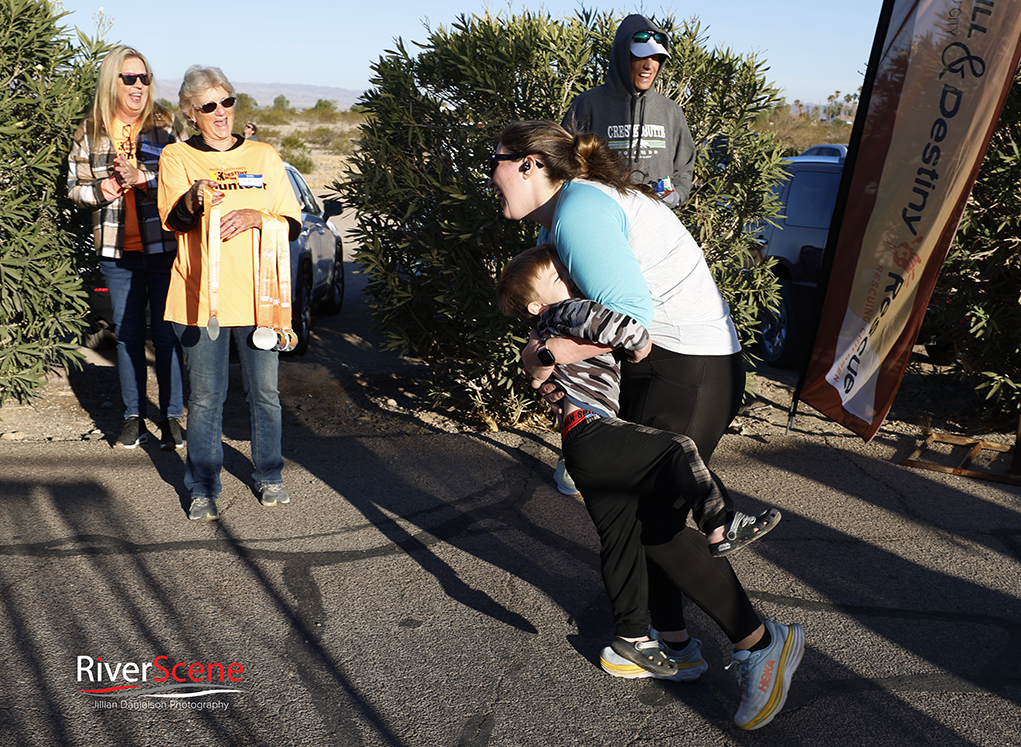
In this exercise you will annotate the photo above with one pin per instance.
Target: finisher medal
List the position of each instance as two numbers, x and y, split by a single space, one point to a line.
264 338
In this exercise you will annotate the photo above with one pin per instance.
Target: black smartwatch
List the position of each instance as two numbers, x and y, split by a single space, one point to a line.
544 355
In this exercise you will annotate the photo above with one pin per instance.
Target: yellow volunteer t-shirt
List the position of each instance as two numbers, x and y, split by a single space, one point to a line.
250 176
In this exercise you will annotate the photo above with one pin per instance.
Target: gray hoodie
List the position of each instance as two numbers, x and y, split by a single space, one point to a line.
647 126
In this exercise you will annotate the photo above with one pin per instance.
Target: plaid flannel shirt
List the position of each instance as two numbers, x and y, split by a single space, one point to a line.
90 163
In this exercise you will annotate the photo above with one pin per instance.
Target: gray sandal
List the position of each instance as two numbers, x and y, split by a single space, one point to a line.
649 655
744 530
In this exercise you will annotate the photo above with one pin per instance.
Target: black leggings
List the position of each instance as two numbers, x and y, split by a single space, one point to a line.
698 396
619 467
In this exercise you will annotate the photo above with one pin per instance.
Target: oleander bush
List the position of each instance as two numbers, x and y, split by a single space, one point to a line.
46 82
295 152
431 234
976 310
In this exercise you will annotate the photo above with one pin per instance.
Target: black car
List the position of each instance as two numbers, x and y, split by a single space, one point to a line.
798 240
808 197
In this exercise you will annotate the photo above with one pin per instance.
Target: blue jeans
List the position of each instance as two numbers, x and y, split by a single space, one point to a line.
136 280
208 362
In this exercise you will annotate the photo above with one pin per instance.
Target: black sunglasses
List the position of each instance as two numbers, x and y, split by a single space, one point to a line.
211 106
643 36
130 78
495 158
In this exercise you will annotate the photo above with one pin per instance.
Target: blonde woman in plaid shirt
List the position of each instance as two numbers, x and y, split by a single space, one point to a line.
112 170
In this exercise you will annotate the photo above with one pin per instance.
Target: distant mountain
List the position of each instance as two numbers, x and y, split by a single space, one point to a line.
300 96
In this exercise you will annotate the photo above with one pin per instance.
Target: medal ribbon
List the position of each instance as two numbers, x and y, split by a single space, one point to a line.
273 274
211 227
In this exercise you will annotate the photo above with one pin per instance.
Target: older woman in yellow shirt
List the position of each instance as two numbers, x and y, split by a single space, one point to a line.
245 182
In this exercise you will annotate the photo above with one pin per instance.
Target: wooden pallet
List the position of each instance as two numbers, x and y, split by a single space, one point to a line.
976 445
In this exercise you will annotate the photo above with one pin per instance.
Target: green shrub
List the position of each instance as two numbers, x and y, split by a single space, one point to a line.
245 110
978 294
345 142
274 117
320 137
295 152
337 139
268 134
324 111
431 234
47 86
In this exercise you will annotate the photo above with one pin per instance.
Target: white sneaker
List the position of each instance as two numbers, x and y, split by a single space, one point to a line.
765 676
564 482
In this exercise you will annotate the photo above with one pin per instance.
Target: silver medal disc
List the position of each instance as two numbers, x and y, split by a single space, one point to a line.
213 328
264 338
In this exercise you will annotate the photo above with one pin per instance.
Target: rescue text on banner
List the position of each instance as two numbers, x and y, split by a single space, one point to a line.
937 82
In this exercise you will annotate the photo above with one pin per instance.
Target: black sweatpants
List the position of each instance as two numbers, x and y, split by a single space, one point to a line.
698 396
619 466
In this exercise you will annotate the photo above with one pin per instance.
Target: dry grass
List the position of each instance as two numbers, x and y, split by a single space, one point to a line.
323 148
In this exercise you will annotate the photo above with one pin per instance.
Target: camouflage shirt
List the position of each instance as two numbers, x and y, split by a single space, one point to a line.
594 383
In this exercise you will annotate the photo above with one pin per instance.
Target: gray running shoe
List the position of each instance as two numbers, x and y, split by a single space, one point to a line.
564 481
765 676
203 508
273 494
133 433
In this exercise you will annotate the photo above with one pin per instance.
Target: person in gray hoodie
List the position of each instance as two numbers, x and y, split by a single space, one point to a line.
635 119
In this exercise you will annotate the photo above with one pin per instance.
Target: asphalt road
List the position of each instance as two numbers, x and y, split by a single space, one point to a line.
428 587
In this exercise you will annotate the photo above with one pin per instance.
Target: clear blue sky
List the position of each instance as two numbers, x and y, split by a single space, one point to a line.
812 48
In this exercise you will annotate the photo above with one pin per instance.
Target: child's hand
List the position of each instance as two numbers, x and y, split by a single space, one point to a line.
634 356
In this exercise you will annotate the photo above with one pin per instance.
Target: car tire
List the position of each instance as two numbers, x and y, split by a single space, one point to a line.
301 312
334 297
101 339
781 338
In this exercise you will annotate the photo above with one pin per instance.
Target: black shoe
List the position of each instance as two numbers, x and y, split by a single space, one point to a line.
172 437
744 530
648 655
133 433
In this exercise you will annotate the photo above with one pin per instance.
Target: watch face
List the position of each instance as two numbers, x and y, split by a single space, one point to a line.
546 357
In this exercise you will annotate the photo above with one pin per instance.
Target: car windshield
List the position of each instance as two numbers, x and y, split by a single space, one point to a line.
811 200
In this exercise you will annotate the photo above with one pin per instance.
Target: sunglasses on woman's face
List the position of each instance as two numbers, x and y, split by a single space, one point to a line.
211 106
643 36
495 159
129 79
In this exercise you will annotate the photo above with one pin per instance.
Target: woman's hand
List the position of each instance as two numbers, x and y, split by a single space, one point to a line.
238 221
125 174
530 360
195 195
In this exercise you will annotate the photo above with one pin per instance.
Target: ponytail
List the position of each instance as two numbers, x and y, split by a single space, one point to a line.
568 156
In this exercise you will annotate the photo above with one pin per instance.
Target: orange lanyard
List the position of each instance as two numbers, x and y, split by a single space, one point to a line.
211 227
273 281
